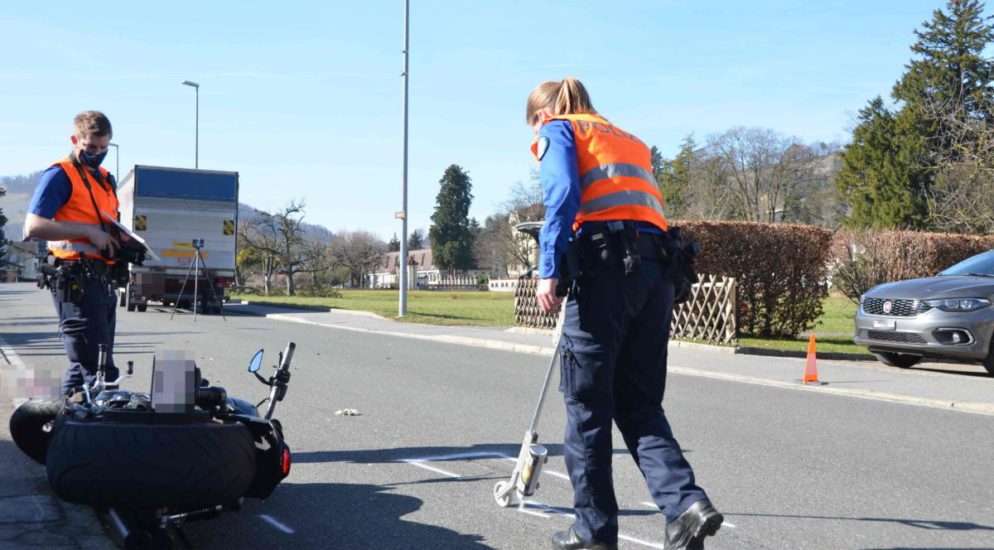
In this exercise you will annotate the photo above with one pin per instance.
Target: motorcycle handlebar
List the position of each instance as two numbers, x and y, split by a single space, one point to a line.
287 355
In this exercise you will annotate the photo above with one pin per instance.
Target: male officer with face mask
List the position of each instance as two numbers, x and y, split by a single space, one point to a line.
67 210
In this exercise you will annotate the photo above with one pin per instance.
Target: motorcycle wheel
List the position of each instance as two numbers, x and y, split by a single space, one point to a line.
31 426
149 464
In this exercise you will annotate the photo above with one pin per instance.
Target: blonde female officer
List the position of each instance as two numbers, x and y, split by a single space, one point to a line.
601 197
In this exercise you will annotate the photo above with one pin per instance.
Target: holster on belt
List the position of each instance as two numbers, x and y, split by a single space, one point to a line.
682 257
569 268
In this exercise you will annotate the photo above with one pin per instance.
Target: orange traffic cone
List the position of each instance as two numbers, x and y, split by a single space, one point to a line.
811 366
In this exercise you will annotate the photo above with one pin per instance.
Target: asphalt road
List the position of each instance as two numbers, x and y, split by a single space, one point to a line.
790 470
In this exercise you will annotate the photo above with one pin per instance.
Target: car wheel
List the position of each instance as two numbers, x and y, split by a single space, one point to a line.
900 360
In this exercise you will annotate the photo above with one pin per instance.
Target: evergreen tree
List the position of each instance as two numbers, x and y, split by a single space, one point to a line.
879 170
450 234
394 244
416 240
657 161
674 178
889 168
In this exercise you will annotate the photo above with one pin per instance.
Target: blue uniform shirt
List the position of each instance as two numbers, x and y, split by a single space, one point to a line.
559 174
560 179
53 191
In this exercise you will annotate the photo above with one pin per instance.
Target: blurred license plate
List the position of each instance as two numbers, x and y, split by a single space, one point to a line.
885 325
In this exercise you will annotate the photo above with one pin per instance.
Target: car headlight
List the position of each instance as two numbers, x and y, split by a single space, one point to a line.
959 304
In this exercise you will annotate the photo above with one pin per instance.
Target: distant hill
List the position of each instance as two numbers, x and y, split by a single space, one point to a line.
20 188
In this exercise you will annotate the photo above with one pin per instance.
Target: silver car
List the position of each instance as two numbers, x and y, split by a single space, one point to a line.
948 316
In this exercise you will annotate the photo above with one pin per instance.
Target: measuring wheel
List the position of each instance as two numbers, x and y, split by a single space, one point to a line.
504 494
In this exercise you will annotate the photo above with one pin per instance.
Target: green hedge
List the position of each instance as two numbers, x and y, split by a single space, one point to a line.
781 271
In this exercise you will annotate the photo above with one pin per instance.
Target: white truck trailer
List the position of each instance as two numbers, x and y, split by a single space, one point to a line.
173 209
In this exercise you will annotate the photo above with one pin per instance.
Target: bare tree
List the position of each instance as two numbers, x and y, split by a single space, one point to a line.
962 191
359 252
280 235
709 195
491 247
318 257
255 254
764 169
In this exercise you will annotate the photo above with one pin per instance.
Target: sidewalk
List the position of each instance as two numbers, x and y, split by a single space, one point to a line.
30 516
955 388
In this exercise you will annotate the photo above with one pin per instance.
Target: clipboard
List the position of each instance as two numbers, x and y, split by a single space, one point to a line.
131 235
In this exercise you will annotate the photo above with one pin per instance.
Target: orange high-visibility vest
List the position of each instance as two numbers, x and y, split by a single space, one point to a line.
79 209
616 181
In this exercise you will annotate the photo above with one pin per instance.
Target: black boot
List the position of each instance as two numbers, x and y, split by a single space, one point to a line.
689 530
569 540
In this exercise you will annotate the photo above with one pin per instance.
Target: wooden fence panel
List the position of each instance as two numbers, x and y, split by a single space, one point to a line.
709 315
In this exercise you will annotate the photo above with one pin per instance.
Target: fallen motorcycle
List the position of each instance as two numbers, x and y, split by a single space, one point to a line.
151 461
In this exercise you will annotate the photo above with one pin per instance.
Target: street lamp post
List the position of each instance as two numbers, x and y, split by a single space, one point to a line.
196 135
117 158
402 267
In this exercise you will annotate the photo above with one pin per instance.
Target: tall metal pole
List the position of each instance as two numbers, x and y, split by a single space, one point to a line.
402 267
196 134
117 157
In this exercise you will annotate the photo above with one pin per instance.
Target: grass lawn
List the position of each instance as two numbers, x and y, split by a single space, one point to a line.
833 331
430 307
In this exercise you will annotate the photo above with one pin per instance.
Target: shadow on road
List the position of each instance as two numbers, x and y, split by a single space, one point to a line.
329 515
928 524
484 451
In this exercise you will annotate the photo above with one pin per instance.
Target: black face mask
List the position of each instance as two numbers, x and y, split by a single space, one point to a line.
92 160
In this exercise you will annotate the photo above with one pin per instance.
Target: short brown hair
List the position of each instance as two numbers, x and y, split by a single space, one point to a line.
565 97
92 123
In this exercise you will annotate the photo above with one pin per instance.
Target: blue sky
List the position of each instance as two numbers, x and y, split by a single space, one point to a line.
303 99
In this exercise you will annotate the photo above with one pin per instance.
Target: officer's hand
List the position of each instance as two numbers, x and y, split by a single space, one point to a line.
104 242
546 294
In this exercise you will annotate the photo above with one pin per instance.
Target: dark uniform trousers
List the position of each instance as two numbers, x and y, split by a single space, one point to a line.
85 321
615 337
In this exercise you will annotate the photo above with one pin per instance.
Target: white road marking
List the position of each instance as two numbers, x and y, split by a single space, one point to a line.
528 507
552 473
272 521
439 458
422 465
972 408
964 407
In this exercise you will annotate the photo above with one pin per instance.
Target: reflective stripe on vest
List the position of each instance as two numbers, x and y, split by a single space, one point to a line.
79 209
616 180
70 250
615 170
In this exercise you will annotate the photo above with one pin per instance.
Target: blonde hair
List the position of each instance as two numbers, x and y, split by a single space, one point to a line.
565 97
92 123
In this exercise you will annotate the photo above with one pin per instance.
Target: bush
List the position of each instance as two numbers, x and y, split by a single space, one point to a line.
781 271
867 258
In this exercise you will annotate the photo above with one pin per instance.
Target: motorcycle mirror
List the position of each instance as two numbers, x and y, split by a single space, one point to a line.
256 363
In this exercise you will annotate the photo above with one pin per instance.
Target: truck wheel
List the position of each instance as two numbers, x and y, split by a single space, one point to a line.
148 464
900 360
31 426
131 307
142 307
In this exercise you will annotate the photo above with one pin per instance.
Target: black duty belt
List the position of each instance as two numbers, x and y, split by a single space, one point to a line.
97 267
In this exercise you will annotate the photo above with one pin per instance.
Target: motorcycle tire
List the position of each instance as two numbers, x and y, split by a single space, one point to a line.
31 426
149 464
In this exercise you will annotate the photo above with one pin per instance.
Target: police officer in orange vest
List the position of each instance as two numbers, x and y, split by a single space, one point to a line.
605 212
67 210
